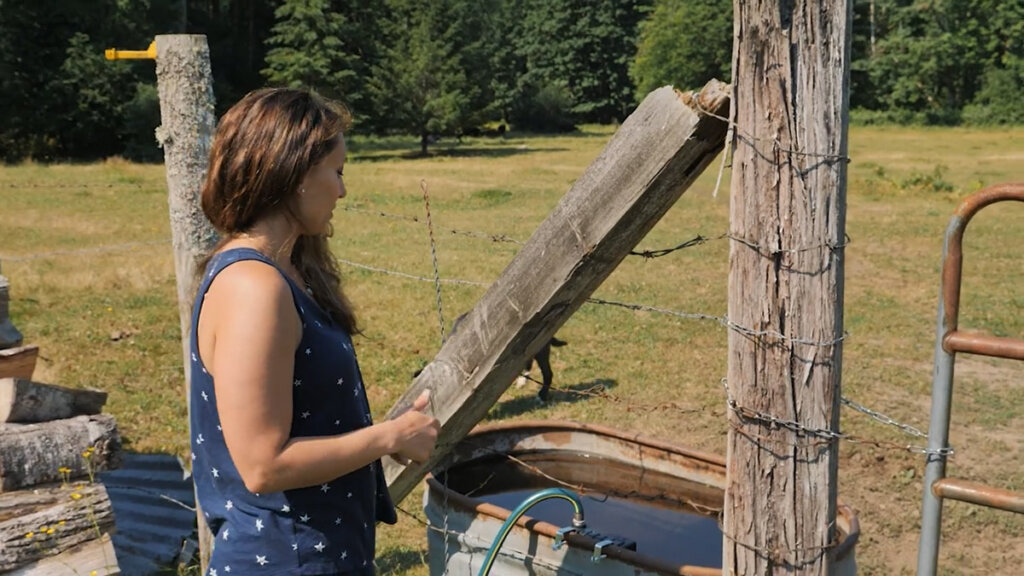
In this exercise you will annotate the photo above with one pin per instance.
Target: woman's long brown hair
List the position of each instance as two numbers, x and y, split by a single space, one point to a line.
263 147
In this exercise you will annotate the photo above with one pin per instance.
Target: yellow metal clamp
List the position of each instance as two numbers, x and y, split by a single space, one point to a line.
115 54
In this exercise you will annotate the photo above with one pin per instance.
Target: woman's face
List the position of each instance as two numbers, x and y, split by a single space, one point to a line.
320 191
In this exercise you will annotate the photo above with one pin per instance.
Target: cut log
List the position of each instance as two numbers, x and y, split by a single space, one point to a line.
18 362
654 156
49 520
27 401
92 557
35 453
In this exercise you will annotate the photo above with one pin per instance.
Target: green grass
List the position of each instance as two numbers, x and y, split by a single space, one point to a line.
904 185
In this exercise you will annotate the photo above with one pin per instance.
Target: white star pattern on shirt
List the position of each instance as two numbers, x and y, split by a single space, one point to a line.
337 521
213 572
194 359
205 397
215 473
308 351
344 554
337 422
225 536
319 548
355 392
219 429
285 509
298 382
261 560
259 525
324 488
199 439
341 381
193 456
229 505
349 495
295 546
304 518
227 568
305 414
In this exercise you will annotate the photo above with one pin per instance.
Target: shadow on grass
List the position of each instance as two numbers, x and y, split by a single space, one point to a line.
580 392
399 560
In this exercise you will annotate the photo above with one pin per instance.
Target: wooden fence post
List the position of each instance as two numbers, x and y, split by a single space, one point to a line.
654 156
185 85
791 72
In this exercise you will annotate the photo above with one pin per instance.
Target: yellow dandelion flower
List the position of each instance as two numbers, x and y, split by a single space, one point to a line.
75 496
30 535
61 523
110 309
93 573
50 531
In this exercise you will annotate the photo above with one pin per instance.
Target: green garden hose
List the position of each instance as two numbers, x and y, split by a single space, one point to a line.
547 494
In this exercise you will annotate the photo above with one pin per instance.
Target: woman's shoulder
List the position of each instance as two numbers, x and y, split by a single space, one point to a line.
252 281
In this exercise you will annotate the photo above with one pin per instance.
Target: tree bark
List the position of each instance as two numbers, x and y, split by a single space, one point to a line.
652 159
185 85
33 454
74 520
27 401
788 219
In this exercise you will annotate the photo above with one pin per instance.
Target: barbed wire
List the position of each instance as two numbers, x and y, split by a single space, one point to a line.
453 231
86 185
79 251
772 252
696 241
829 436
774 141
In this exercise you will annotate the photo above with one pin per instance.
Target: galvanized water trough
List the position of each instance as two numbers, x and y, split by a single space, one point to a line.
651 507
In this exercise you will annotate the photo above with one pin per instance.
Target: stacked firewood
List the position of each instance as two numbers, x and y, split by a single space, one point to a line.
55 519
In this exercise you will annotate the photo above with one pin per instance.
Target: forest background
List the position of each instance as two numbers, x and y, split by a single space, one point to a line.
447 68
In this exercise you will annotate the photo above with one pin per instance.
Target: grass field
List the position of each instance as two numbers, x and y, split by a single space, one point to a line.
85 248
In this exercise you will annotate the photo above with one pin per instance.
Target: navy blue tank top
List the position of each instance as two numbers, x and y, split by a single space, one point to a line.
326 529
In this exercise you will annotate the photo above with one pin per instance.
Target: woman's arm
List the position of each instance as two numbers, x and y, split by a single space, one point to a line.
251 330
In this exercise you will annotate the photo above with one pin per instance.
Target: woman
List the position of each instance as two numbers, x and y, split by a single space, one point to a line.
285 456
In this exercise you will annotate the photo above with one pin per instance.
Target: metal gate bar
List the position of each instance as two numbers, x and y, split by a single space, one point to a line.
949 340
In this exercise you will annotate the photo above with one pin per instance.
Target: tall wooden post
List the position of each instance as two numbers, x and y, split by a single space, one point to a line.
185 85
791 69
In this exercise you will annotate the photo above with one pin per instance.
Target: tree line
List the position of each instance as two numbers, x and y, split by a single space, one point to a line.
462 67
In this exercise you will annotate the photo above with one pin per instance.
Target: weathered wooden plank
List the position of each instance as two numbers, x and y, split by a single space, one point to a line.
788 217
653 157
19 362
26 401
34 453
48 520
93 557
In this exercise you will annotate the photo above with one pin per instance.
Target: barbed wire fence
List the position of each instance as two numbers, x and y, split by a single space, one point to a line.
804 436
597 391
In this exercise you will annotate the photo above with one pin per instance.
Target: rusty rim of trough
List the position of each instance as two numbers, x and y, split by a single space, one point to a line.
846 519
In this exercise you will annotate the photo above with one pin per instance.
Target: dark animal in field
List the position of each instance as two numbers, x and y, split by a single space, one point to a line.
542 358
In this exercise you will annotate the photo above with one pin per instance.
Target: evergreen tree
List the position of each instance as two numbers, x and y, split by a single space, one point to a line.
430 78
684 43
579 52
309 51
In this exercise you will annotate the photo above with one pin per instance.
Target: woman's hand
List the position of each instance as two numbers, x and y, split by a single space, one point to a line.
415 433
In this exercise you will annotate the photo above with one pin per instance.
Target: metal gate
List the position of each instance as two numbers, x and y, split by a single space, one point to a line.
950 340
